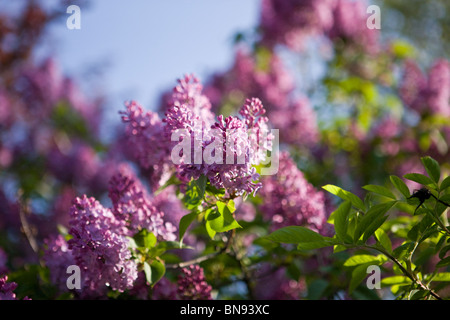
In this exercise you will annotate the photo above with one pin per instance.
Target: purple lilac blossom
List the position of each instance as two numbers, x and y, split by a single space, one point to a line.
236 178
189 92
7 289
43 87
350 25
189 110
275 87
57 258
133 206
192 284
99 248
145 137
167 202
387 133
165 290
427 95
297 123
291 22
246 78
289 199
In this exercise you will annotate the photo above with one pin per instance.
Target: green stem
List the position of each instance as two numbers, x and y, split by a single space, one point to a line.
205 257
407 273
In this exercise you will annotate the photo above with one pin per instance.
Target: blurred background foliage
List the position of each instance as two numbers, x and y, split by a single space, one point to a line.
54 152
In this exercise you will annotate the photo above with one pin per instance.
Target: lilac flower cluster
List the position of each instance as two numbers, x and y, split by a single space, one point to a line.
349 24
235 178
30 108
43 87
230 139
292 22
275 86
298 123
99 244
189 92
100 248
166 201
133 205
188 114
427 94
192 284
289 199
7 289
58 256
144 132
86 167
48 138
268 80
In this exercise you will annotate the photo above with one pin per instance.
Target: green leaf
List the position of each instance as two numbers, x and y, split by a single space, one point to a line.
366 259
148 272
432 168
413 233
380 190
420 228
265 243
405 207
304 237
443 263
445 198
222 220
195 192
209 230
345 195
158 269
341 221
185 222
35 282
395 280
445 184
420 294
338 248
145 239
400 185
439 245
444 251
231 206
442 276
372 220
358 275
164 246
173 180
404 250
211 190
420 178
384 240
373 227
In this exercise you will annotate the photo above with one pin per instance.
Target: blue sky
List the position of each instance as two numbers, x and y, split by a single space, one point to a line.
143 46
